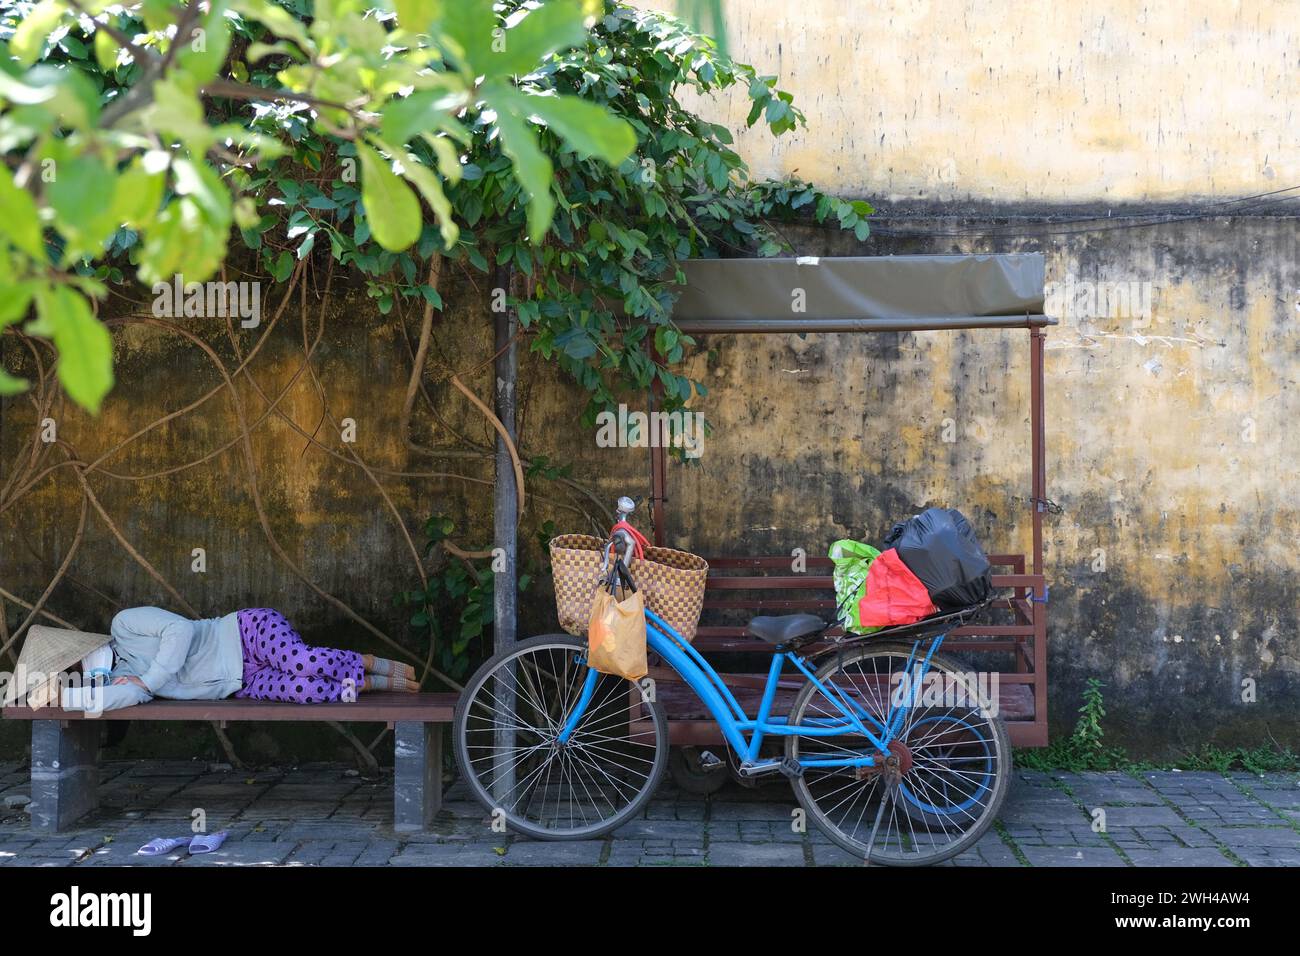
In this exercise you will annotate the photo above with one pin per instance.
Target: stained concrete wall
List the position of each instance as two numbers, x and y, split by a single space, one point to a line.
1093 101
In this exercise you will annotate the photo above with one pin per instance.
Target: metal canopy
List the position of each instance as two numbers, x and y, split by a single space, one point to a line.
862 294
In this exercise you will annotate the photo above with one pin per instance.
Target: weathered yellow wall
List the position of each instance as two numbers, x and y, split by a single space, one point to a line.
1171 437
1067 101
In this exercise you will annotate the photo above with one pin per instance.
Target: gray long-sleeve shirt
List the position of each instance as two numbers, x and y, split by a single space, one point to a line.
174 657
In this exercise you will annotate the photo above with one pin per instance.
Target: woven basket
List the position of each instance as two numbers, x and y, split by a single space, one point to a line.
672 583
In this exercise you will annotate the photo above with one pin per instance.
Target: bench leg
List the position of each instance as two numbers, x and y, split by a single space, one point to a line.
65 772
417 774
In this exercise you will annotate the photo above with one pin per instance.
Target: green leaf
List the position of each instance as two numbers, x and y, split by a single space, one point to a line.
283 267
105 50
417 15
182 239
279 20
532 167
200 181
467 27
76 193
532 35
158 14
203 51
139 190
587 127
85 347
430 188
19 219
391 208
176 110
407 117
29 39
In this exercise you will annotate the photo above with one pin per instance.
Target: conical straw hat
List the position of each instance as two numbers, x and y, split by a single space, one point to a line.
50 651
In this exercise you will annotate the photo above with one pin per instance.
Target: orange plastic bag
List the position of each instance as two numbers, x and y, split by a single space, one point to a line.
894 594
616 635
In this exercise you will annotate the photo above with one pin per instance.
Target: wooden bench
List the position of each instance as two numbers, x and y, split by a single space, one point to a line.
748 586
65 747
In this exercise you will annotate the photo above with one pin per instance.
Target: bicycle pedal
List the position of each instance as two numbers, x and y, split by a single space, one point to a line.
791 768
710 761
758 769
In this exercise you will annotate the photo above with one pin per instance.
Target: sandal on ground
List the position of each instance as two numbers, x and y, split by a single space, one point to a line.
207 842
160 845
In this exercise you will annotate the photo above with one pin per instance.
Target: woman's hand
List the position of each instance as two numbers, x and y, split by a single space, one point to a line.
130 680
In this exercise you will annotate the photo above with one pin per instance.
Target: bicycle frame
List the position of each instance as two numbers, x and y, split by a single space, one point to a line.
735 723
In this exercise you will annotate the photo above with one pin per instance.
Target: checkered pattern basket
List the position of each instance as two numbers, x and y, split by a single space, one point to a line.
672 582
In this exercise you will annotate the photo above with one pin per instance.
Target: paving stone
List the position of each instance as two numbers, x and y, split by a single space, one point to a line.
566 853
832 855
657 829
1178 856
124 854
377 853
315 852
243 853
1252 837
752 811
1071 856
1193 836
1268 856
1045 811
755 854
328 830
1141 817
993 850
442 854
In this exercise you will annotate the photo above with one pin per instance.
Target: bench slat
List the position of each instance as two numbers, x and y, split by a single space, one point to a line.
377 707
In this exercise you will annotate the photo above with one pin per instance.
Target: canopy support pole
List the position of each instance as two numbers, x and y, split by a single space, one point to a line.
1038 497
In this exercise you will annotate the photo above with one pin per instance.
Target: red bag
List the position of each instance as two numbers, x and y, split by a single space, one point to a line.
894 594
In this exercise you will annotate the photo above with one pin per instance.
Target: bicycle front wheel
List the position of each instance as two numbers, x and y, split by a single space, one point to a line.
943 781
507 729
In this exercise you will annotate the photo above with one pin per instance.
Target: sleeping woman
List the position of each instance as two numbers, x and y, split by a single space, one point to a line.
254 653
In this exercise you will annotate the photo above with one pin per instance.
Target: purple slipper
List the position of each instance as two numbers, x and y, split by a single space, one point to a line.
207 842
160 845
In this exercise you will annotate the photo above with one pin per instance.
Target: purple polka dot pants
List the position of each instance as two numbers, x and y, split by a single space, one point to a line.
278 665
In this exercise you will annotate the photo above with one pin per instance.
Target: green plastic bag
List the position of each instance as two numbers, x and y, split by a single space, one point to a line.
852 560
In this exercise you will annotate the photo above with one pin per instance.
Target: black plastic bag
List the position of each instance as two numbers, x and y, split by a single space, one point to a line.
939 547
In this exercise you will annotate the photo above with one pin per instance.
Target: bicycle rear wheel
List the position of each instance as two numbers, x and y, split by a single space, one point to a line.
940 787
506 732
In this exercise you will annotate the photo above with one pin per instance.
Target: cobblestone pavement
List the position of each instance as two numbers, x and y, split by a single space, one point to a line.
327 815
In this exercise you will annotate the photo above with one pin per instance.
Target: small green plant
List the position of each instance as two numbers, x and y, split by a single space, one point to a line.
1262 759
1088 736
1086 749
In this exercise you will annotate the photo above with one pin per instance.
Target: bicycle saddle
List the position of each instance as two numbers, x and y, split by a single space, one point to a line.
787 627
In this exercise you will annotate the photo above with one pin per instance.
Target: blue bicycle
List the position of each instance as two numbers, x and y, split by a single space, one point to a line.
892 749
